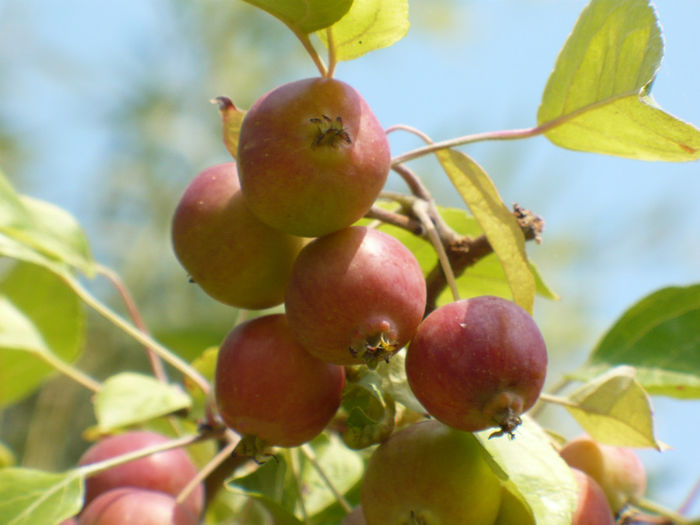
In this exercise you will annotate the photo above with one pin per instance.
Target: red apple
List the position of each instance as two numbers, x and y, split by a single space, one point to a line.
169 471
269 387
131 506
227 251
592 507
477 363
312 157
356 295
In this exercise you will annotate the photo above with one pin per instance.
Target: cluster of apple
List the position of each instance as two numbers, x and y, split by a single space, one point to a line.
278 227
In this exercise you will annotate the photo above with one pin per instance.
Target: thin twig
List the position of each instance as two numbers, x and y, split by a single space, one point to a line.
118 284
332 57
396 219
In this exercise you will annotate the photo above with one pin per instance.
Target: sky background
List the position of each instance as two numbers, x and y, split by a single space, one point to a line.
616 229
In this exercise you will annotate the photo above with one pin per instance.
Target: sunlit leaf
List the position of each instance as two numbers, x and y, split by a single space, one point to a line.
305 16
614 409
496 220
343 467
129 398
600 88
659 336
514 509
231 119
369 25
39 314
31 497
537 471
44 228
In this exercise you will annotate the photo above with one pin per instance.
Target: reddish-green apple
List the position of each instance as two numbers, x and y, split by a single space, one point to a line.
131 506
477 363
270 387
356 295
430 474
618 470
168 471
312 157
592 507
228 252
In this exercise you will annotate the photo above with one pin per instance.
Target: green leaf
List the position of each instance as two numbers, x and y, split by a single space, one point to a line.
129 398
540 475
496 220
231 119
39 315
305 16
271 484
340 464
43 228
31 497
369 25
659 336
370 413
615 409
599 88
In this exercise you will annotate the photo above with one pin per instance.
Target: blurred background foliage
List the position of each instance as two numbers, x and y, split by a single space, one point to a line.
136 111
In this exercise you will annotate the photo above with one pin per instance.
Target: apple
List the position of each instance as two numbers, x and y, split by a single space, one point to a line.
312 157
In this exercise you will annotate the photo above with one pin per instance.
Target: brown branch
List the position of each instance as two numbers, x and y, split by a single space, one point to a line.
466 251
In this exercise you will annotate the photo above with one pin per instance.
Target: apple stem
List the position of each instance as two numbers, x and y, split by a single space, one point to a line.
332 56
660 510
309 454
294 462
70 371
311 50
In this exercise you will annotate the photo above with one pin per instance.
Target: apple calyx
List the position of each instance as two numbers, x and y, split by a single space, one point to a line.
374 349
253 447
505 408
330 132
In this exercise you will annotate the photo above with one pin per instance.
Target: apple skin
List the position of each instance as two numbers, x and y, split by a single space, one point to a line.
169 471
592 507
303 174
618 470
269 386
432 474
477 363
130 506
352 288
228 252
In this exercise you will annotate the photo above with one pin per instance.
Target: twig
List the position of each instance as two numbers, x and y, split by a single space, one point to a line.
118 284
332 58
396 219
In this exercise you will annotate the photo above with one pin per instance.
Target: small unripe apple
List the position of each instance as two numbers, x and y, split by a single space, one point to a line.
228 252
592 507
312 157
133 506
355 296
270 387
618 470
168 471
477 363
430 474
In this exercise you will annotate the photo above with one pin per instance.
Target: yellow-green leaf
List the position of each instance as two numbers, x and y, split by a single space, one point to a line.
615 409
598 92
231 118
305 16
495 219
129 398
369 25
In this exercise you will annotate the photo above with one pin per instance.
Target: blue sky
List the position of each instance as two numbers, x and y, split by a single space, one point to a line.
636 224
